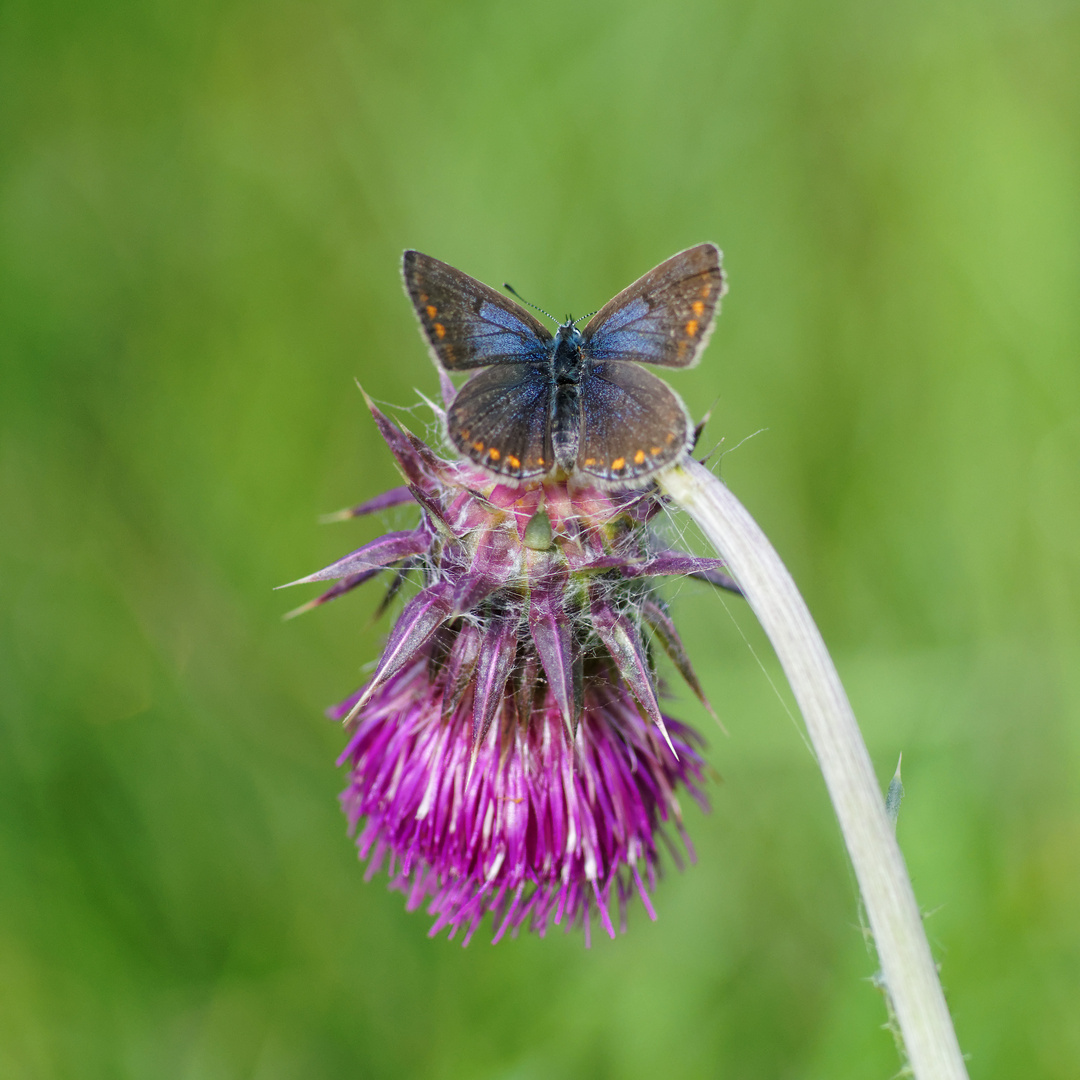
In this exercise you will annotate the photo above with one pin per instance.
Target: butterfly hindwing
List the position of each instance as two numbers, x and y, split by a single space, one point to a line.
500 419
466 323
665 317
632 424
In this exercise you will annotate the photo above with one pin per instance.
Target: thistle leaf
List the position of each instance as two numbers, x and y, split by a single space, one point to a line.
419 619
498 648
393 497
383 551
342 587
549 625
662 626
624 643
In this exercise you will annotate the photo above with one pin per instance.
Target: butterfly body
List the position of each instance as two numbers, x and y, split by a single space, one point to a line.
567 373
575 403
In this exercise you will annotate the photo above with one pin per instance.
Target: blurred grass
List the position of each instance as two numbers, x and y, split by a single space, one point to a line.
202 208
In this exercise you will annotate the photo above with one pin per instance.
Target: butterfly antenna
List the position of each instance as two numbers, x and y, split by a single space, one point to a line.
580 317
513 292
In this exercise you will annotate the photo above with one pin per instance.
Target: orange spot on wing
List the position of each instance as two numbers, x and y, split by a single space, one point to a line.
478 445
513 462
432 311
654 450
697 305
639 458
691 328
590 461
494 454
440 330
618 463
706 289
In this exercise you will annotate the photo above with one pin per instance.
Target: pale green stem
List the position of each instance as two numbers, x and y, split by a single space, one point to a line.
906 964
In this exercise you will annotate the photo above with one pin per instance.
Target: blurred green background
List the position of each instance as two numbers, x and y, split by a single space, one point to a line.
202 210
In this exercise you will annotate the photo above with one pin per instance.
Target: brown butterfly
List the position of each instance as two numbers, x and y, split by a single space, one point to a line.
575 402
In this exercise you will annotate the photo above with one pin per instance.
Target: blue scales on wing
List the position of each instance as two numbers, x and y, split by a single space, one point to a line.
466 323
634 423
499 419
665 317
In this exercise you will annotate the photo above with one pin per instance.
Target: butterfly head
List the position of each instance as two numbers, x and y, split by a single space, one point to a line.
568 332
567 356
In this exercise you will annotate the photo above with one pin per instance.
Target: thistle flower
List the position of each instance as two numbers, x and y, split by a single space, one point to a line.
508 754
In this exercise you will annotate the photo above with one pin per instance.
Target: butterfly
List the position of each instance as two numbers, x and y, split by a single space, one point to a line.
574 402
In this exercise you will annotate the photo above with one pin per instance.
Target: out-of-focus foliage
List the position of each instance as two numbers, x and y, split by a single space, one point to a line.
202 209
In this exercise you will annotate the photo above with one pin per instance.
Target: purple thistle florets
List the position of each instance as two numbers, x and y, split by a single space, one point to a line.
508 754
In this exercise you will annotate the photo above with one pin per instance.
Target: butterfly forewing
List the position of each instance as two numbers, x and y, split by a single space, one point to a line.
499 419
665 317
466 323
632 423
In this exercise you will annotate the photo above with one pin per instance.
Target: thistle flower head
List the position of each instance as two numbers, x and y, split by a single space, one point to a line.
508 754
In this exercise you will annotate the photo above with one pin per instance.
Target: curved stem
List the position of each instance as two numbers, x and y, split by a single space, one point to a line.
907 967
